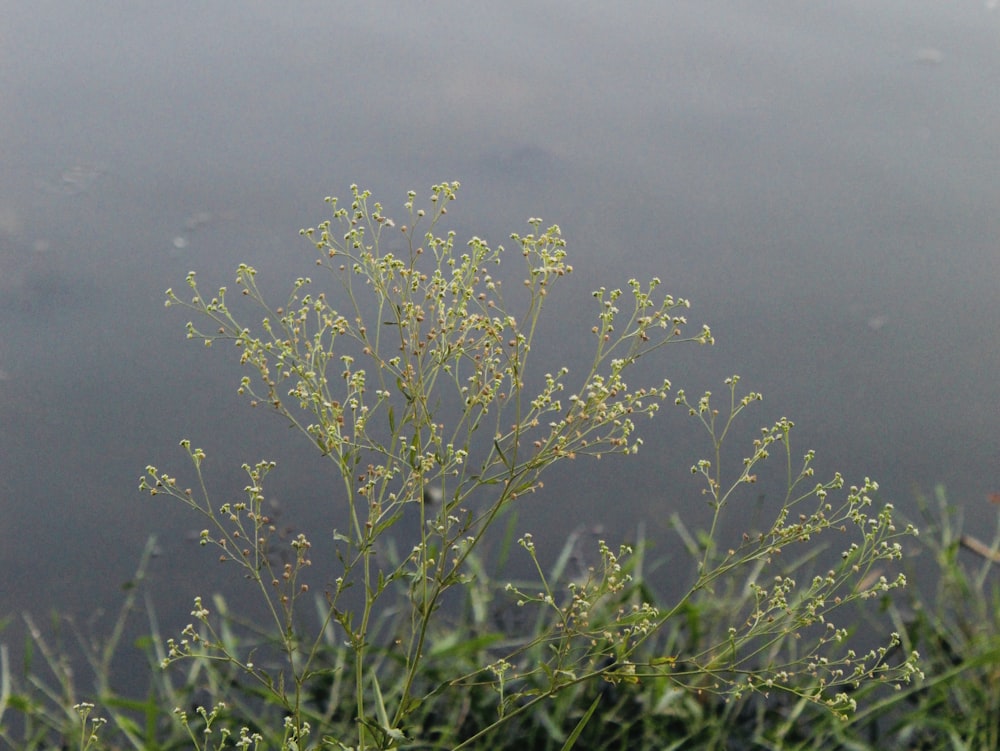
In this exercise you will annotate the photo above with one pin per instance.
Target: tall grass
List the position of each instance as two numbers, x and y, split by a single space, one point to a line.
952 620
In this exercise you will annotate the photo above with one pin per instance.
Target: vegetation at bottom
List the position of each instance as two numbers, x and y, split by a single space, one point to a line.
423 393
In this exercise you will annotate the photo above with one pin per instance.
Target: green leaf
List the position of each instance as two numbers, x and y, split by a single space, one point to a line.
503 457
571 740
414 460
394 734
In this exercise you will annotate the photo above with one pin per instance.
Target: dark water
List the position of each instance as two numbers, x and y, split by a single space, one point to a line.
820 179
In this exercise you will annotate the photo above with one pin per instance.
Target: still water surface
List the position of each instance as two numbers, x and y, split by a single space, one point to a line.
821 179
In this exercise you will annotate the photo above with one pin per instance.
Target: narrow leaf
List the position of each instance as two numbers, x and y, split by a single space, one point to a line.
571 741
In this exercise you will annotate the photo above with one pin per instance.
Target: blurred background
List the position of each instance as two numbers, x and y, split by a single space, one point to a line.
820 179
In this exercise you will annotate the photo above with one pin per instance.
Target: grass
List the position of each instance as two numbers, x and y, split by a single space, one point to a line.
954 625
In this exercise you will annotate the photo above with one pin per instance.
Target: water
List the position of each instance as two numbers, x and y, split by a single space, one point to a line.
819 179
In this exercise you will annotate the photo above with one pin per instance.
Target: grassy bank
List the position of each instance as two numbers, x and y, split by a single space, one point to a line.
953 624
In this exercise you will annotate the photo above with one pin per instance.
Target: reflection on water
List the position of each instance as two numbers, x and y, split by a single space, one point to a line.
195 224
72 181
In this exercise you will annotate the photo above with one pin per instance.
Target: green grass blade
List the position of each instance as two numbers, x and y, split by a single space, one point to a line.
571 740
